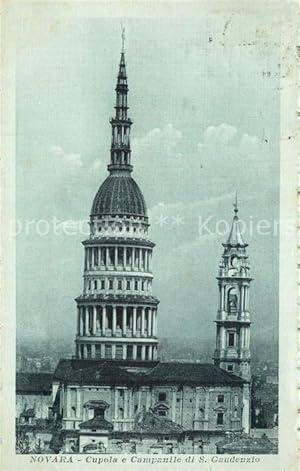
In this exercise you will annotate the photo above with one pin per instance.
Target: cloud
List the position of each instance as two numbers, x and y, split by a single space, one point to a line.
163 140
72 159
222 134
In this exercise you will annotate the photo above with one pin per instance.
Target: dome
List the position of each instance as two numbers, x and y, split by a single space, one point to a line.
119 195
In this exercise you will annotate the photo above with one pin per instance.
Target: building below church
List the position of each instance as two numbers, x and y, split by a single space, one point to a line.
115 396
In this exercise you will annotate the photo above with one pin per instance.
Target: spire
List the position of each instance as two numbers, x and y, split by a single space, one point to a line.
121 124
235 236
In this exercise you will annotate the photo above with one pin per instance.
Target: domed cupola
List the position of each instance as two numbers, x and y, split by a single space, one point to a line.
119 195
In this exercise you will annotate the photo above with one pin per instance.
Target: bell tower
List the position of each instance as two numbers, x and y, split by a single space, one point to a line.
232 351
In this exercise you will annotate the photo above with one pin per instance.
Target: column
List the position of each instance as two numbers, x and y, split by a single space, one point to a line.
134 322
222 298
85 259
223 337
130 403
206 412
197 404
78 320
242 299
143 352
94 319
246 408
125 403
81 313
116 257
103 314
87 321
84 351
102 349
116 404
132 258
124 320
134 348
154 323
155 352
148 399
106 257
147 260
114 319
78 403
242 341
149 322
124 258
174 405
93 351
247 297
113 351
143 322
124 352
150 352
139 399
68 402
140 259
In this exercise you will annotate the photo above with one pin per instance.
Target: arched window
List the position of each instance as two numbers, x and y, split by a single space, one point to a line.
232 301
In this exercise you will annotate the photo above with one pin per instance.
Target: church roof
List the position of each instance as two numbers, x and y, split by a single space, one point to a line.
114 372
119 195
190 374
93 373
147 422
34 383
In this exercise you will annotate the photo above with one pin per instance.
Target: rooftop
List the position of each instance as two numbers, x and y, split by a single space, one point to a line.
112 372
148 422
34 383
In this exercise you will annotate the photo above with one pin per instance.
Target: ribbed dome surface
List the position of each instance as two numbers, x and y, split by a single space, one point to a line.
119 194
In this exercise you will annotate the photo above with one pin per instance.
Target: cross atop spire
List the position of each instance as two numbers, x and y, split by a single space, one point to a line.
123 39
235 204
235 236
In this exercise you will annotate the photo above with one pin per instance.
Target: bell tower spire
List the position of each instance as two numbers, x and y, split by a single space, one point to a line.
120 153
233 318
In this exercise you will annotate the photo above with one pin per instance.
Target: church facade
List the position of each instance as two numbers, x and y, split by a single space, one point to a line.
115 396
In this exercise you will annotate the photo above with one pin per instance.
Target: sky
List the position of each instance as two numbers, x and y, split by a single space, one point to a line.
204 98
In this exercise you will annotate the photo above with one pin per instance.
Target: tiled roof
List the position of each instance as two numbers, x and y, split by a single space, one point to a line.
34 383
148 422
96 423
113 372
119 195
93 373
190 373
247 444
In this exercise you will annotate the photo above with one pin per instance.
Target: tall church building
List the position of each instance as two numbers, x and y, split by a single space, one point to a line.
117 313
115 395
